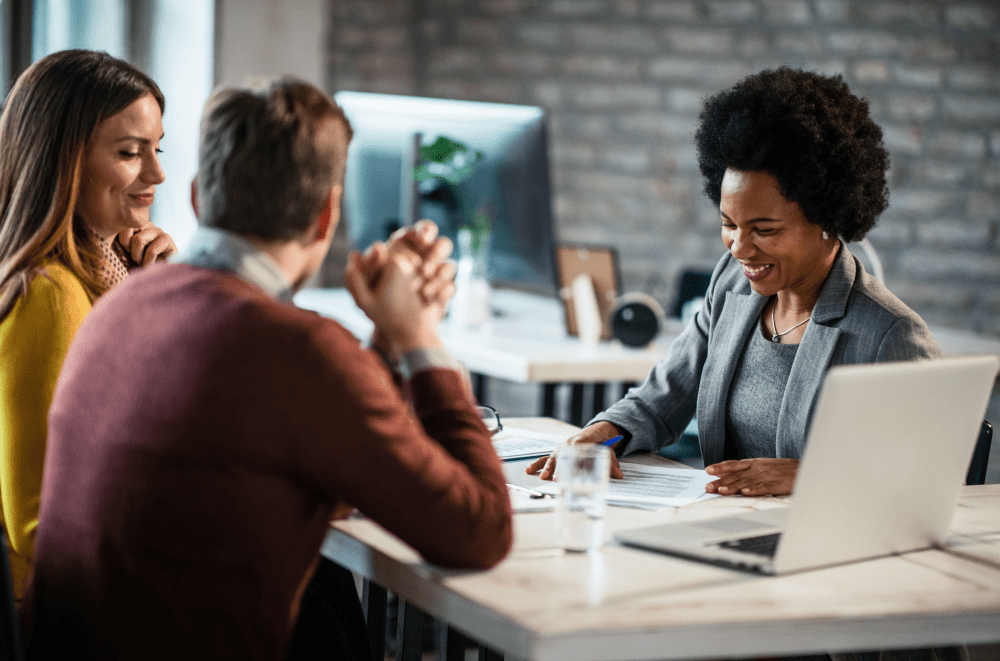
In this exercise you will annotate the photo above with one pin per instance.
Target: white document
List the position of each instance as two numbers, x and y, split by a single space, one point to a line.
513 443
652 487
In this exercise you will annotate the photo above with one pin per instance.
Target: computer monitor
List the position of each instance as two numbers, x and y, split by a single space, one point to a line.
511 182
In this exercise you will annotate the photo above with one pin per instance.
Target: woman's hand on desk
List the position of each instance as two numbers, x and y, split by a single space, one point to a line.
753 477
598 432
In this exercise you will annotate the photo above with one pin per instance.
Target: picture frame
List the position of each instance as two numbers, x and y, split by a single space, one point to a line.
600 262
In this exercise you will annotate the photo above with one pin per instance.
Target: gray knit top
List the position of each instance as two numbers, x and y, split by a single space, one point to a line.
755 397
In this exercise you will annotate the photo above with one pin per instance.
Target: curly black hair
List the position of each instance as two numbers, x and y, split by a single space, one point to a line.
812 134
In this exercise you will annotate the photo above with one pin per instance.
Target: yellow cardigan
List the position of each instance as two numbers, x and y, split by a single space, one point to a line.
34 339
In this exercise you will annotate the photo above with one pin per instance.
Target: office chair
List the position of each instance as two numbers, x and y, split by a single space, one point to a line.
981 456
10 627
692 285
865 251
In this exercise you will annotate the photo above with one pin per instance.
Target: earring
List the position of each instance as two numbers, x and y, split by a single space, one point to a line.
825 235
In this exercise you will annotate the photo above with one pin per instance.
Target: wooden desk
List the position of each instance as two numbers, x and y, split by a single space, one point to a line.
625 603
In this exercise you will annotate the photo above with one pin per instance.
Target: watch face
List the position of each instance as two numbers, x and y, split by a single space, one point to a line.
635 324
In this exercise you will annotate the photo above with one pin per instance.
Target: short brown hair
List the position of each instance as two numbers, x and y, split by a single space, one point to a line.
50 115
269 155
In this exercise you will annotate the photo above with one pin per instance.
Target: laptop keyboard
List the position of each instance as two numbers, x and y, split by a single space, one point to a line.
764 545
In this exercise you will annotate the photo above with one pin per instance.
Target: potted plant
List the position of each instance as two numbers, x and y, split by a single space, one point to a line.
445 166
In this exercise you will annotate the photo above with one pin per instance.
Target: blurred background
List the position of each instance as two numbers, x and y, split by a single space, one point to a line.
622 82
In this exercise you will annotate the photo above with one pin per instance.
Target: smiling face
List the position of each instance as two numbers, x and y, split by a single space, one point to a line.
121 168
780 250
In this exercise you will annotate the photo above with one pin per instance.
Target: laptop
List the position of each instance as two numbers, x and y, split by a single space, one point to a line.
887 453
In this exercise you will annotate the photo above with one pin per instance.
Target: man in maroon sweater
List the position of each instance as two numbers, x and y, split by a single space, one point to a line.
204 431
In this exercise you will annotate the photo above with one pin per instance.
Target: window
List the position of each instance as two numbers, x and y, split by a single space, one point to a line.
171 40
181 63
96 24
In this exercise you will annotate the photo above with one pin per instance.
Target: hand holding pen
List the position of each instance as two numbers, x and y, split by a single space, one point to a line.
603 433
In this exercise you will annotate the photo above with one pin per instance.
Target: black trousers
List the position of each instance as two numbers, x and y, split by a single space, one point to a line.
331 624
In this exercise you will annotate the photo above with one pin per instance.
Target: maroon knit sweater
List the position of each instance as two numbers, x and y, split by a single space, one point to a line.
201 437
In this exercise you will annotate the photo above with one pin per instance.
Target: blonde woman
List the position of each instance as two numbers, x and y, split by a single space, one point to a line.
78 172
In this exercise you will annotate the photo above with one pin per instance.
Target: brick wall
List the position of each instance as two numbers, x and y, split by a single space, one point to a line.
623 82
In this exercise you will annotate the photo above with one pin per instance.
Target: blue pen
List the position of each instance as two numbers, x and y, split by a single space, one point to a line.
612 441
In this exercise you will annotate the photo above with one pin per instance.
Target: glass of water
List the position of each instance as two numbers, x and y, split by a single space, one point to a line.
582 475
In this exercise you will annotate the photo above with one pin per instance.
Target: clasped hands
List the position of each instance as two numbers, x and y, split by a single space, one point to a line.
403 286
743 477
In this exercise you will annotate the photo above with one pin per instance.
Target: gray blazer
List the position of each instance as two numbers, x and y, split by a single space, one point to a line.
855 320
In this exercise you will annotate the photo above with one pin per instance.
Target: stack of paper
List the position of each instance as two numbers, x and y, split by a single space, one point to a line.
644 486
512 443
656 487
651 487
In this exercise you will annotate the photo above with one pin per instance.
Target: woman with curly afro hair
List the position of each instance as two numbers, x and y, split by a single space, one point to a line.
796 167
812 135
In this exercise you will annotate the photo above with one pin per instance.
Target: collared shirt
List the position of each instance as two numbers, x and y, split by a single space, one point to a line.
219 249
223 250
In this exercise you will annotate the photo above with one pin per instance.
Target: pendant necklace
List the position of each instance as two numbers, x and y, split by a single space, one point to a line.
776 337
